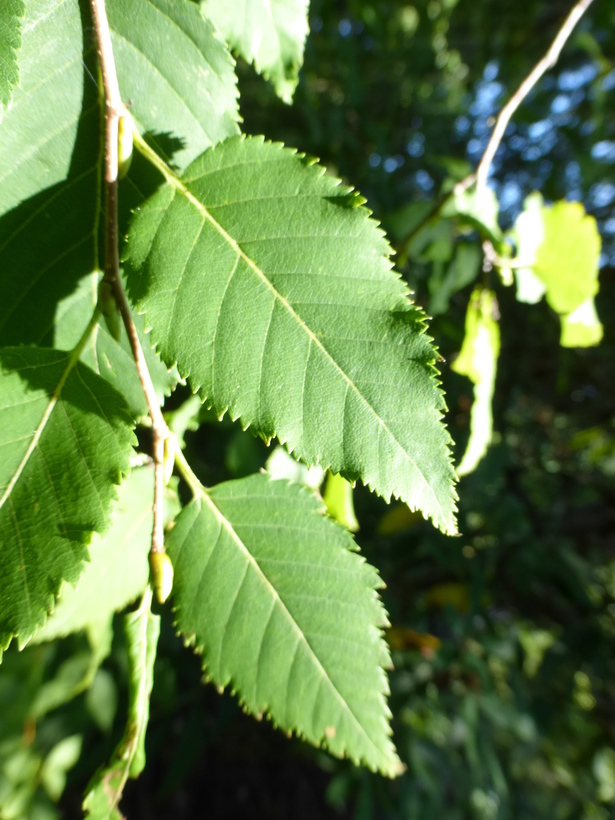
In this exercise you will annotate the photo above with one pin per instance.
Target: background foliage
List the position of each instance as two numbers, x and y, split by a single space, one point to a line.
503 639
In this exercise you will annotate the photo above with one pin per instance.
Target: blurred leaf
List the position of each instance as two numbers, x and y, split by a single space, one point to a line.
105 790
101 700
479 208
560 245
400 637
478 361
339 503
582 327
397 518
451 594
281 465
58 762
461 272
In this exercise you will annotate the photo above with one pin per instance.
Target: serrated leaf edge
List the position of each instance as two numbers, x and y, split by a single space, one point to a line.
395 767
179 185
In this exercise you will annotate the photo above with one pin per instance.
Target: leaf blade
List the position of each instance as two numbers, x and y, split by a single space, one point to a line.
66 441
11 14
306 333
269 33
250 559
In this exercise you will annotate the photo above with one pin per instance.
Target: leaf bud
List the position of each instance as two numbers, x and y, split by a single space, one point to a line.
161 570
124 144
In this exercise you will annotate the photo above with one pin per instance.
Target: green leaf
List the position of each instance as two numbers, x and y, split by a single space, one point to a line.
478 207
118 571
58 762
559 245
269 33
582 327
176 74
567 259
183 89
271 594
478 361
11 14
111 360
461 272
65 440
49 172
278 303
141 630
338 501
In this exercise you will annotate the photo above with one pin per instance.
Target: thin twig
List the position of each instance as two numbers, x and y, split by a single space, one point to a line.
547 62
113 110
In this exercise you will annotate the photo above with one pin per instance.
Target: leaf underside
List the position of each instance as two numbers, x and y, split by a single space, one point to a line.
269 591
275 297
60 458
11 14
269 33
53 192
118 570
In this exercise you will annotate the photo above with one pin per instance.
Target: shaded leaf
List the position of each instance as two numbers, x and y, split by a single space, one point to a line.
176 74
282 610
110 359
118 571
461 272
65 439
478 361
279 305
11 14
49 170
102 797
269 33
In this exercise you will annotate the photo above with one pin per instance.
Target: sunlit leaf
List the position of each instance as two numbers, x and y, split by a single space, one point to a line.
274 294
11 14
269 33
270 592
339 503
478 361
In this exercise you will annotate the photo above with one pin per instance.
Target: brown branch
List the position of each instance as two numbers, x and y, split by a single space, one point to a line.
547 62
113 110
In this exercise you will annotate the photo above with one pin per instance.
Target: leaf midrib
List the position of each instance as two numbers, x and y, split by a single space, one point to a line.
224 522
179 185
